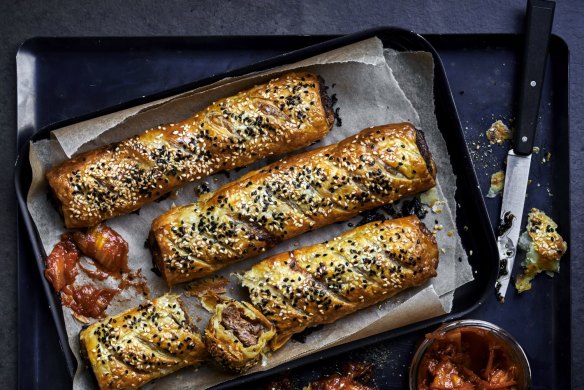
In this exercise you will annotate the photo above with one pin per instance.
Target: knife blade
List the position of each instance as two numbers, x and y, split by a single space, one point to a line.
540 14
516 179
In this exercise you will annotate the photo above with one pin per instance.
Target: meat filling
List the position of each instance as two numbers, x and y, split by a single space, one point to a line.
247 330
61 263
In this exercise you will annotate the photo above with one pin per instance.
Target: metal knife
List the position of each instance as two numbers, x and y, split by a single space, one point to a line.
540 14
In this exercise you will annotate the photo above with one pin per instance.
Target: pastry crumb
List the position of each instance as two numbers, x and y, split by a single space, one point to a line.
438 207
498 133
430 197
497 184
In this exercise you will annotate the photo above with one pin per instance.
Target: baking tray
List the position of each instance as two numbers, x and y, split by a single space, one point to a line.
118 69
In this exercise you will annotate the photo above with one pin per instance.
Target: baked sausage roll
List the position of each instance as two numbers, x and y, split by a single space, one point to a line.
321 283
287 113
153 340
290 197
237 335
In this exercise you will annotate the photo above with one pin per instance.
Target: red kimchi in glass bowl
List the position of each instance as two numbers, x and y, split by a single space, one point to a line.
469 355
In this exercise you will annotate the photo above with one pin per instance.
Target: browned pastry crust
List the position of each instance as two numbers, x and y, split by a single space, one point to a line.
153 340
290 197
287 113
321 283
237 335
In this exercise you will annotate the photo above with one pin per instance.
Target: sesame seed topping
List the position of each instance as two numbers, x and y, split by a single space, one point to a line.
291 197
231 132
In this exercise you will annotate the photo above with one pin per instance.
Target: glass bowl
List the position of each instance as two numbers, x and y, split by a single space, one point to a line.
514 350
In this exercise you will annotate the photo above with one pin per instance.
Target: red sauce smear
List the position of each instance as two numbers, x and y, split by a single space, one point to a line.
354 377
109 254
105 246
61 264
88 300
467 359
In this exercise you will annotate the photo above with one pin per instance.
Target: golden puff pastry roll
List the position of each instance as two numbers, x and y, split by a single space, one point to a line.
237 335
132 348
290 197
321 283
287 113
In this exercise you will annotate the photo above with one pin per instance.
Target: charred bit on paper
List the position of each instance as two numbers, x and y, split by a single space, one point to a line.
202 189
413 207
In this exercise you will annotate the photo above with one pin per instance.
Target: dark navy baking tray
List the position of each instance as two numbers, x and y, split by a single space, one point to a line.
63 78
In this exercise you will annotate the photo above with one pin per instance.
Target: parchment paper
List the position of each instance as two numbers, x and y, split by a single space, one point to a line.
369 84
415 74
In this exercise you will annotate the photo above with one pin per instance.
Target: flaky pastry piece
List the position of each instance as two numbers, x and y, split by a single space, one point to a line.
544 248
237 335
287 113
290 197
155 339
322 283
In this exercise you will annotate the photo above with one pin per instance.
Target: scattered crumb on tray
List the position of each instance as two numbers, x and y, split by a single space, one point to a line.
544 247
549 192
497 184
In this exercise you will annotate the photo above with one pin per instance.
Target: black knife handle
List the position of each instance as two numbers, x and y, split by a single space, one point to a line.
540 15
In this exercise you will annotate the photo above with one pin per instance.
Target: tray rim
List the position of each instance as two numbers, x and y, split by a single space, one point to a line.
331 40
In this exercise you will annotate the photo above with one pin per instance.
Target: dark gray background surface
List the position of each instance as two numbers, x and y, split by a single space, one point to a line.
20 20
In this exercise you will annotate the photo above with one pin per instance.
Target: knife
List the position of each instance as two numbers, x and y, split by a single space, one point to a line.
540 14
